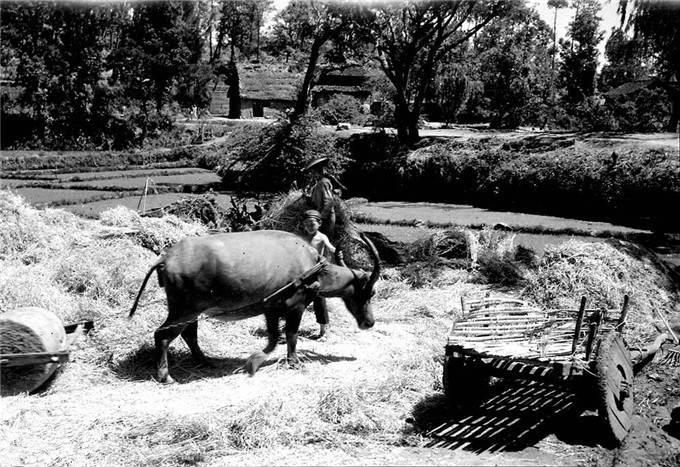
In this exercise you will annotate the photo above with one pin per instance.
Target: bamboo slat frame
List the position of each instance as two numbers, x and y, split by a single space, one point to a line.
508 327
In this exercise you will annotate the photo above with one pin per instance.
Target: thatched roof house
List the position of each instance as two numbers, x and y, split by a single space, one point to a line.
268 89
264 89
350 81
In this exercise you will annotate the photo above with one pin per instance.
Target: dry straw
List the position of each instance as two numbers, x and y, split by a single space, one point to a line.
603 274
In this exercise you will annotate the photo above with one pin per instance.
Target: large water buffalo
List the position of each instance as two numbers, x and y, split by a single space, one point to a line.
239 275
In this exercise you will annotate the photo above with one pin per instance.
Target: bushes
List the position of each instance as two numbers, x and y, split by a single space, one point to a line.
270 159
341 108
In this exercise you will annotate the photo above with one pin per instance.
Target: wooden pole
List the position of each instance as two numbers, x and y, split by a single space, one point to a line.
579 323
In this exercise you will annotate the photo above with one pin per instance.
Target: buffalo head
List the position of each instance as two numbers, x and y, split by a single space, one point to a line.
360 291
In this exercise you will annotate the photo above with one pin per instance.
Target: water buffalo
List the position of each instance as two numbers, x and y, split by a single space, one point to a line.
228 276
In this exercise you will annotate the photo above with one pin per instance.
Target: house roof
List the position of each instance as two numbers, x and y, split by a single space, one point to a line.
353 70
268 83
627 88
340 88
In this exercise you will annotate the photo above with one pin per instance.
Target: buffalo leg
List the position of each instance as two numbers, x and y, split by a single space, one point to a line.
190 336
163 337
293 319
257 358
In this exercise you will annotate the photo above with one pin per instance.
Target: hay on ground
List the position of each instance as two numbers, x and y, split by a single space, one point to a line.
602 274
153 233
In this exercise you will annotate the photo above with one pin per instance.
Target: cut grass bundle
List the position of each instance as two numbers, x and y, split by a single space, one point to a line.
492 253
496 257
288 213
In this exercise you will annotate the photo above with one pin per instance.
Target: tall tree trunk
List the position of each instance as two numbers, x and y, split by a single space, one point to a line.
675 115
406 121
302 101
234 92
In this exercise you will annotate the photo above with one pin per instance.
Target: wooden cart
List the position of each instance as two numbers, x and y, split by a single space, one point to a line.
582 349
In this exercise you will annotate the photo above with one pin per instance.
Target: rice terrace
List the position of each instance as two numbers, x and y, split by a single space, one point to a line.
339 233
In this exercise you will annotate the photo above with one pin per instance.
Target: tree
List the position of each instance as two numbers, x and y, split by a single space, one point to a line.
556 4
160 46
580 54
514 65
412 37
56 50
311 27
656 24
453 84
238 28
645 109
624 61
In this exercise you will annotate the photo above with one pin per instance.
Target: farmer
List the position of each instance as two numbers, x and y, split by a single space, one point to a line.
320 195
323 246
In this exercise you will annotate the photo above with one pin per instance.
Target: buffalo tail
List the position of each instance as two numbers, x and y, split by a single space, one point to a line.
141 289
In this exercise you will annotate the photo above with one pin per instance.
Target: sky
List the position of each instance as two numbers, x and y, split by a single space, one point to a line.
610 19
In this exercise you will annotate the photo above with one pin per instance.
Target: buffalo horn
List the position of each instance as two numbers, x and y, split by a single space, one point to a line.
376 260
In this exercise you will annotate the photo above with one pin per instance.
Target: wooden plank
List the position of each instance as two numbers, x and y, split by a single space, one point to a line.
472 327
535 320
579 323
495 311
37 358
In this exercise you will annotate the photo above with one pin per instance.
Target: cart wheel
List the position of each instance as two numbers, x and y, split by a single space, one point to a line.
464 386
614 371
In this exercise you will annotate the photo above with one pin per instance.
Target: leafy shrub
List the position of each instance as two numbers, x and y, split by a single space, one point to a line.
271 159
341 108
646 110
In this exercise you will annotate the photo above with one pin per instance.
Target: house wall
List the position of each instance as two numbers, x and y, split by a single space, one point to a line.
268 108
219 105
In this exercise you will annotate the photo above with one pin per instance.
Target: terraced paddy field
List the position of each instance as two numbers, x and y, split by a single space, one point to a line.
88 192
153 201
139 181
43 197
110 174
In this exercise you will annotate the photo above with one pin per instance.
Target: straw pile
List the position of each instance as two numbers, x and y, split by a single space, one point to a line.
29 234
204 210
153 233
82 269
603 274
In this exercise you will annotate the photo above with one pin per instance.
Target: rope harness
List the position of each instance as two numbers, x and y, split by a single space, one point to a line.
301 281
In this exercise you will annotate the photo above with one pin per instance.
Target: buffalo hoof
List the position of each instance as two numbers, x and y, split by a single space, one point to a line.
254 362
294 364
167 380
